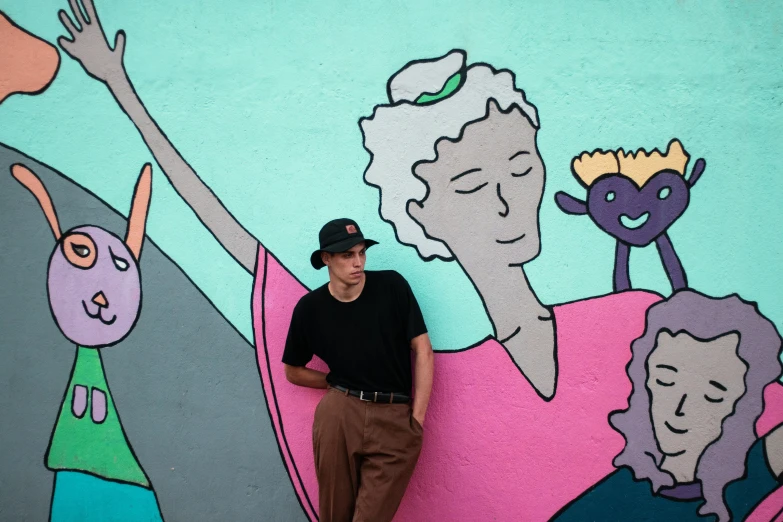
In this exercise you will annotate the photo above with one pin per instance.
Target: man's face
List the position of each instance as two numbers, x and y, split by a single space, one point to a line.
346 267
484 190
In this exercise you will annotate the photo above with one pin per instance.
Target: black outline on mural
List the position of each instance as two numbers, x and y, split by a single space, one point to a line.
281 440
51 497
462 71
73 400
61 244
93 389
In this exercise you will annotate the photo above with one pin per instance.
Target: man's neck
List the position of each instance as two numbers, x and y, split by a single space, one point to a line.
343 292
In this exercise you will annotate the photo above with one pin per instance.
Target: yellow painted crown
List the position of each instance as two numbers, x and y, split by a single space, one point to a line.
638 166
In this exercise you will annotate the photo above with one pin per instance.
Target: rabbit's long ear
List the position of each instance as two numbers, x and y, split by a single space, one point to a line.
28 178
137 220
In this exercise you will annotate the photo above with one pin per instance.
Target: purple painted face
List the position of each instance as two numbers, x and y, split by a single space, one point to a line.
94 287
637 216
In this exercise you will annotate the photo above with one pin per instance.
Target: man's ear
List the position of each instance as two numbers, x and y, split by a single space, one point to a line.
326 257
33 183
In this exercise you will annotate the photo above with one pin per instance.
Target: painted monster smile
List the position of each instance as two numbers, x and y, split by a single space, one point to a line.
97 315
634 223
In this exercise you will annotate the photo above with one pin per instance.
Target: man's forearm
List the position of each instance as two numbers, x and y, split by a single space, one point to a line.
307 377
423 370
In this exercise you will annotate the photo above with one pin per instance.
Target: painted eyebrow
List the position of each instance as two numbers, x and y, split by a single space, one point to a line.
718 385
519 154
471 171
666 367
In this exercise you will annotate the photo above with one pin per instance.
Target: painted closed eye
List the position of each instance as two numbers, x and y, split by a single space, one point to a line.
80 250
710 399
525 173
471 191
658 381
121 264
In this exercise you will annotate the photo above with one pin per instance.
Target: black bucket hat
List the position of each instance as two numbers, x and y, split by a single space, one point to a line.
338 235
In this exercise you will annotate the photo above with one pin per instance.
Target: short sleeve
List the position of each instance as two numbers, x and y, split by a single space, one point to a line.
297 350
414 320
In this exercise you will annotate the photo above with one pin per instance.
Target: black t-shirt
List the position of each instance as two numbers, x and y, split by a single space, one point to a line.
365 342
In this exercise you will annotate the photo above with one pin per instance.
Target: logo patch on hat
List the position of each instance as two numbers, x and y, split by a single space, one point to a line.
351 229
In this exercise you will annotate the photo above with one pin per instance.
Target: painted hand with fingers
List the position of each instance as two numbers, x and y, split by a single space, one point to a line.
88 44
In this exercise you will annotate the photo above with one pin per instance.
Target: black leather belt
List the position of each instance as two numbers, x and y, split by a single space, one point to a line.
388 398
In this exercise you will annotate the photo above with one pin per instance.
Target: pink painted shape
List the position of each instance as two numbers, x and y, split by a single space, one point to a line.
275 293
772 416
493 449
770 509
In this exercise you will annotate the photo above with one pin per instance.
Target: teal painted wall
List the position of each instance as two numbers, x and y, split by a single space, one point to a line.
263 99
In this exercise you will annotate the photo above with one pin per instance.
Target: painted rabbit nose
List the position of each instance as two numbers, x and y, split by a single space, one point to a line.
100 300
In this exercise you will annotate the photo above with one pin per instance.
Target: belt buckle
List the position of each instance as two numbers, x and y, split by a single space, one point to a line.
374 399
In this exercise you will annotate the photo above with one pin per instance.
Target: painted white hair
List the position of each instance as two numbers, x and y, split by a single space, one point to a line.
401 134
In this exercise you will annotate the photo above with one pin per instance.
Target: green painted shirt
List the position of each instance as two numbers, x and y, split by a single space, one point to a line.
80 444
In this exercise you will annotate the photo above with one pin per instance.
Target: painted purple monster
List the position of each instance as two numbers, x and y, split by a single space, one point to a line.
94 290
635 198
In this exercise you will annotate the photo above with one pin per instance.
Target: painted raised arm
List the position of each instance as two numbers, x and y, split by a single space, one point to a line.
698 170
88 45
570 205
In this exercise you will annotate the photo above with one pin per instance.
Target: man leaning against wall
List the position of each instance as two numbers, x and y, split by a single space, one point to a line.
367 430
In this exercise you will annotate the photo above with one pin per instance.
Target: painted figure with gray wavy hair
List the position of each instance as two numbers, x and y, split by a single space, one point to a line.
699 373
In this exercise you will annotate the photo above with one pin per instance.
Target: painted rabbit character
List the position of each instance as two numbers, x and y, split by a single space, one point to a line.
94 289
635 198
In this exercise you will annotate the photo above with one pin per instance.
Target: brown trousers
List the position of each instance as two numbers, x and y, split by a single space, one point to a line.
364 457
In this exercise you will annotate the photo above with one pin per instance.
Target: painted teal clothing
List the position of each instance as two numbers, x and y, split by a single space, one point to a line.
620 497
79 497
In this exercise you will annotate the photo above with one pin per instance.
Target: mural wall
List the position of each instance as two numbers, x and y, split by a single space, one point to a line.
606 328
